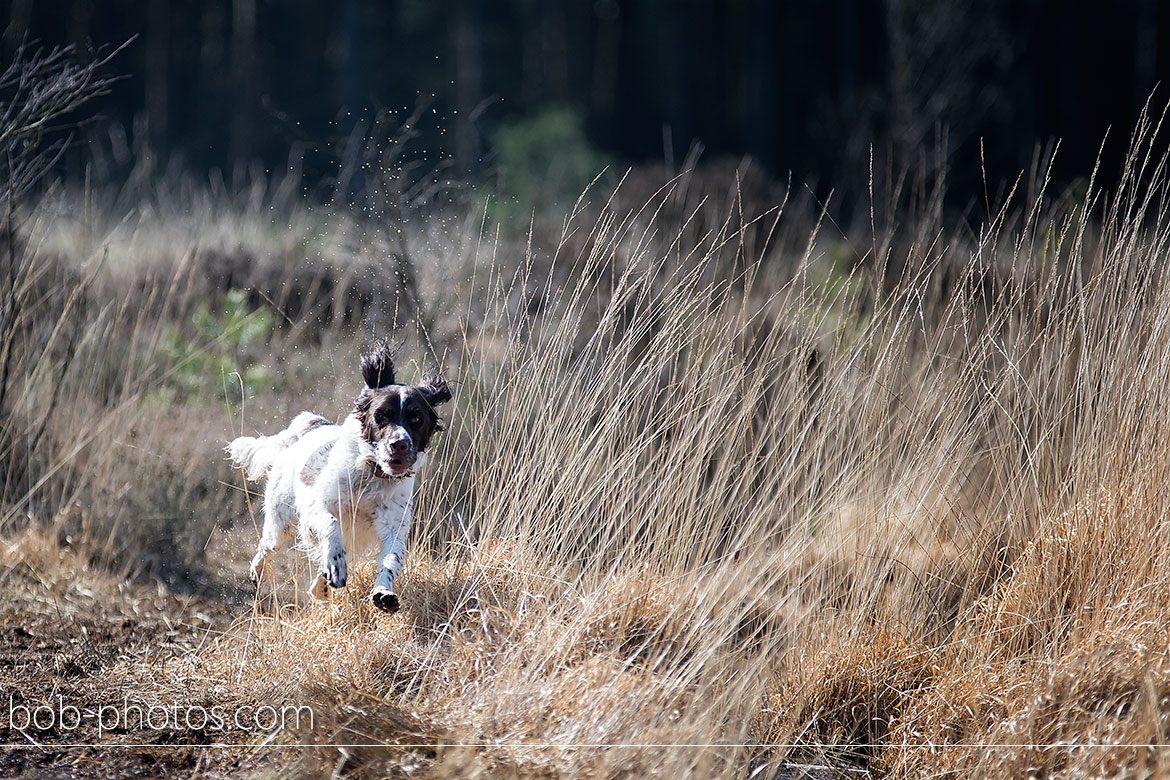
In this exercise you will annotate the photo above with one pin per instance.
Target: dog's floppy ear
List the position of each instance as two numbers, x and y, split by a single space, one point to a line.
436 391
378 366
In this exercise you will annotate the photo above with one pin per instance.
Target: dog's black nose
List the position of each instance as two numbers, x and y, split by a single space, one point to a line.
400 447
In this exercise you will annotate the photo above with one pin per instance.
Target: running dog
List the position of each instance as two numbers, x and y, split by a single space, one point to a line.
364 467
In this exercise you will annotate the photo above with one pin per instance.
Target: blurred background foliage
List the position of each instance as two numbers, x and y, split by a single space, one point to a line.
545 162
207 360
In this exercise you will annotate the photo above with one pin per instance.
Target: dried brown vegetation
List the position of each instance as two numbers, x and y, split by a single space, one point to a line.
721 495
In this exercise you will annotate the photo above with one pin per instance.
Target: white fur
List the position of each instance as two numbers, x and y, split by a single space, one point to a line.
322 473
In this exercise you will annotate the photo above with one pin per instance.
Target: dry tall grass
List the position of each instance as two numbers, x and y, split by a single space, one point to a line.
721 494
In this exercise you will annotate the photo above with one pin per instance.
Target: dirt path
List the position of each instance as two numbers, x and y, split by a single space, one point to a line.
89 657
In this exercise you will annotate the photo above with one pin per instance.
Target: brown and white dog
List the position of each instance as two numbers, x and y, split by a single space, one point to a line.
362 468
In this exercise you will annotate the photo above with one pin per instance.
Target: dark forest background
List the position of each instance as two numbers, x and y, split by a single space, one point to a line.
801 87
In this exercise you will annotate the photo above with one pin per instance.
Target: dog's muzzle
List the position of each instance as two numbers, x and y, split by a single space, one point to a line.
382 473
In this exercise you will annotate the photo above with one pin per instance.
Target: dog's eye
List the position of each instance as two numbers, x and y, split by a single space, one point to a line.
416 418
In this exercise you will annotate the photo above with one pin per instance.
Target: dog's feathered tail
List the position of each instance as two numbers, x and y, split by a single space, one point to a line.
256 454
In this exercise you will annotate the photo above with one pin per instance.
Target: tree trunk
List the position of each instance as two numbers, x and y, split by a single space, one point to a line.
244 79
468 82
158 45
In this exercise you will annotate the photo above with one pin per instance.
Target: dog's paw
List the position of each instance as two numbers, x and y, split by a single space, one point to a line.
384 600
336 569
319 589
260 567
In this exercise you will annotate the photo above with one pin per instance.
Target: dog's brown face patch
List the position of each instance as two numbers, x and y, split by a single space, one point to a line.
398 407
397 420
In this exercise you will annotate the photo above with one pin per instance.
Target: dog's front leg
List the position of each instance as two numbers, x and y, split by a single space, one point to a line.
330 555
392 522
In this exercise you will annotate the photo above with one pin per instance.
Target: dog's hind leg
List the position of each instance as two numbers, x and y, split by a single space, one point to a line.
277 532
328 547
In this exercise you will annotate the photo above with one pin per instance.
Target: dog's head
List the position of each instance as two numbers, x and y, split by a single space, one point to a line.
397 420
